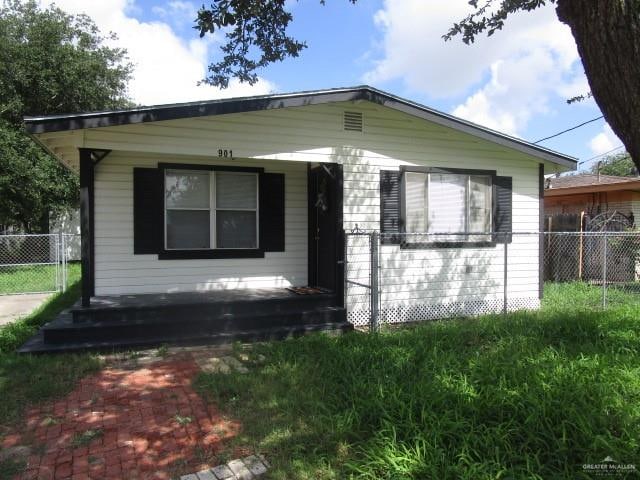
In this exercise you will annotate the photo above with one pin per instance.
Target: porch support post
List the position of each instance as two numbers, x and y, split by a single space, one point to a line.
340 238
86 224
541 255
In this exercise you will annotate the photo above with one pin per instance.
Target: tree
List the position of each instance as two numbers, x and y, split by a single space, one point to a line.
619 165
607 33
50 62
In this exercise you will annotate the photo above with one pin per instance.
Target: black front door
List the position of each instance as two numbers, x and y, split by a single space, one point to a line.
325 219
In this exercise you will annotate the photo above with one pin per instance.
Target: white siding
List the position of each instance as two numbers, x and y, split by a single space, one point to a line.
282 140
119 271
473 276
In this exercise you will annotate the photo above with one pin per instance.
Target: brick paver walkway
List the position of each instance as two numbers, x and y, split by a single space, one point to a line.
142 423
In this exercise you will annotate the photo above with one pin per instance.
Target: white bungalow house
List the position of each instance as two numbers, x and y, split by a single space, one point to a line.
245 197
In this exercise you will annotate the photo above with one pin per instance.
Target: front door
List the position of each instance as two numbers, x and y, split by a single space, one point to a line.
325 218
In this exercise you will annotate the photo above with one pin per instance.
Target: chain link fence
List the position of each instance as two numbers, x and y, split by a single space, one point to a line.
411 277
608 261
35 263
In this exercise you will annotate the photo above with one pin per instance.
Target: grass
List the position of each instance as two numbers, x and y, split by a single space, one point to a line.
530 395
86 437
34 278
11 467
30 379
180 420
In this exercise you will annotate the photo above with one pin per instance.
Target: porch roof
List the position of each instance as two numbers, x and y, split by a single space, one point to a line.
37 126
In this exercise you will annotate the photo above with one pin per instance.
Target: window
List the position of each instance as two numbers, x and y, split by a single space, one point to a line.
437 202
211 210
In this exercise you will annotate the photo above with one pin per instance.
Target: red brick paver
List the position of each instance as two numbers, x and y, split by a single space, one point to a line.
147 422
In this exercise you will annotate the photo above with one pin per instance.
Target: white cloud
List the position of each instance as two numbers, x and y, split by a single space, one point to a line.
505 79
176 12
605 141
167 67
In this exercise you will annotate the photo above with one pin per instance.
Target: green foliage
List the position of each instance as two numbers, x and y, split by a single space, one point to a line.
29 379
85 438
489 18
532 395
10 468
32 183
50 62
620 165
256 34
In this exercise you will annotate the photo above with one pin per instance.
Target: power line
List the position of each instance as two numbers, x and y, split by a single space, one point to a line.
569 129
601 155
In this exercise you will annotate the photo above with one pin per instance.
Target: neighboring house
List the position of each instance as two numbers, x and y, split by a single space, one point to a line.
592 194
591 202
237 195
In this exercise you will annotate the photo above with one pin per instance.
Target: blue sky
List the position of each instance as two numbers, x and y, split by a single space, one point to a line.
516 82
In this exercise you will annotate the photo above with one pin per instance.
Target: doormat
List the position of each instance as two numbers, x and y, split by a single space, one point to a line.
308 290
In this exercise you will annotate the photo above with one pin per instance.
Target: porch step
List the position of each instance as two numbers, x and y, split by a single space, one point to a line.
196 306
37 344
174 323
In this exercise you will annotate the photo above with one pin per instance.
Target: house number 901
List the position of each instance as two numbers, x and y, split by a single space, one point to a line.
225 153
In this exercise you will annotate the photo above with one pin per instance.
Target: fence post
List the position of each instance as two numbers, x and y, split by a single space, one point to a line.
55 239
505 298
374 242
63 253
604 272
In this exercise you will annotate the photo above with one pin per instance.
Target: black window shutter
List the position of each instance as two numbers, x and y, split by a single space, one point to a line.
271 210
502 208
390 205
148 204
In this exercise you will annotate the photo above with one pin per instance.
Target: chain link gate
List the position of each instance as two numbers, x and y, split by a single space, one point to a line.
361 280
34 263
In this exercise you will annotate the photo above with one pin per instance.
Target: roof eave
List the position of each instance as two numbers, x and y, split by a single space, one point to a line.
605 187
39 125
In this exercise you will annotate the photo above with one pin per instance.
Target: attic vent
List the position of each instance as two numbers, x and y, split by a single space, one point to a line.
353 121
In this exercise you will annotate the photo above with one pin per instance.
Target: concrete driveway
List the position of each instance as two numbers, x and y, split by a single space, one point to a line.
13 307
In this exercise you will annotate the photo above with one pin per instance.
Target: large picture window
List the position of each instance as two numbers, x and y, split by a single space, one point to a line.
211 209
436 202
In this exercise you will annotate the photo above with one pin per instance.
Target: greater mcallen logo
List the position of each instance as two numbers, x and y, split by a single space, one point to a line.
608 467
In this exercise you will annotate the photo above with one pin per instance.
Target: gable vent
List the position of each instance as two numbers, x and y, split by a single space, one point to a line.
353 121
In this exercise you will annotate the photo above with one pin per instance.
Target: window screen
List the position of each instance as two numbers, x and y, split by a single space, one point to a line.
236 210
187 201
416 202
211 209
447 203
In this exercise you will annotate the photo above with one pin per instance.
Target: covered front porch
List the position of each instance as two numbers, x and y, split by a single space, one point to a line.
190 318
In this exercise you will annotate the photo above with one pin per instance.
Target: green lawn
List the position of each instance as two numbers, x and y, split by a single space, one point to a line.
34 278
27 379
533 395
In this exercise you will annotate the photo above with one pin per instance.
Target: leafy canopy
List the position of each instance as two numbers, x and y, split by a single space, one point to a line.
50 62
256 33
619 165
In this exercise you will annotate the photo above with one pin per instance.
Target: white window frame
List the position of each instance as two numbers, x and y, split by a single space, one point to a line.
212 207
428 202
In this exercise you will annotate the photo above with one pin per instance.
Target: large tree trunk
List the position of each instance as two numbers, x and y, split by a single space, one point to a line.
607 33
